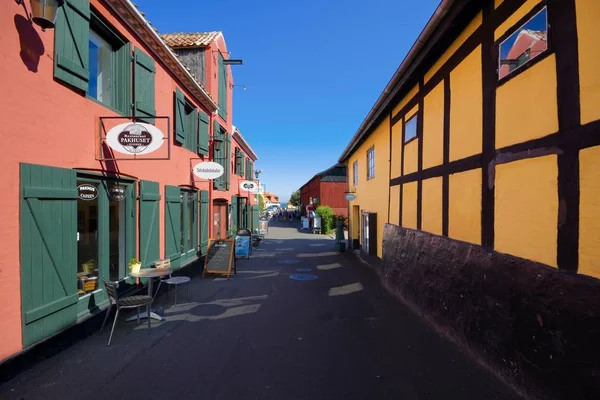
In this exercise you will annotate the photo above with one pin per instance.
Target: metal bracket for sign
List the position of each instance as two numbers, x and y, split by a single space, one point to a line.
102 139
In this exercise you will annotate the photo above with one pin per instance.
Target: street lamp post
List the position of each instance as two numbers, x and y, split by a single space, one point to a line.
257 172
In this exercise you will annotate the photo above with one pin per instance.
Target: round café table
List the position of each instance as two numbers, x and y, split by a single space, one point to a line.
150 273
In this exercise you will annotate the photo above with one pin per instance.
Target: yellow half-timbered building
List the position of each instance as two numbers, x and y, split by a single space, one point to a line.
486 144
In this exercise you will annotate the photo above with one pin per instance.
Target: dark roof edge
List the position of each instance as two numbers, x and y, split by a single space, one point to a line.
398 79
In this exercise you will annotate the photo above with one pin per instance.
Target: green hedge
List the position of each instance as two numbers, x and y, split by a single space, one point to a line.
327 218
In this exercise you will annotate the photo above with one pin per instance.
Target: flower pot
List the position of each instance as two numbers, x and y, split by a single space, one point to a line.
135 268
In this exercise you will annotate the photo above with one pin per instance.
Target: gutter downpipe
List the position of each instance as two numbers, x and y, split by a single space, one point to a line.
439 14
150 29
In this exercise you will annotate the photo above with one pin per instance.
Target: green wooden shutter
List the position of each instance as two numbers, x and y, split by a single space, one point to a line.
173 225
219 156
48 251
222 88
227 160
122 83
144 71
203 221
203 134
235 212
71 44
149 222
179 116
237 163
243 166
254 217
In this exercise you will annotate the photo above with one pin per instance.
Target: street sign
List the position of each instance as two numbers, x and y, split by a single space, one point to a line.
135 138
242 246
249 186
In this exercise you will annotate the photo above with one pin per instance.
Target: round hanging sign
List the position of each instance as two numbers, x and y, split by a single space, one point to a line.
87 191
117 193
249 186
135 138
208 170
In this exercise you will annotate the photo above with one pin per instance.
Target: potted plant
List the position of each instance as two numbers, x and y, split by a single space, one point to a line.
135 265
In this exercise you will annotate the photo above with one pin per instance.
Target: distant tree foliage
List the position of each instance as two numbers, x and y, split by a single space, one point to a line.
295 198
327 218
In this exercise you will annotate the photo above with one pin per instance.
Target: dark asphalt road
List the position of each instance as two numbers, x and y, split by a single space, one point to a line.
262 335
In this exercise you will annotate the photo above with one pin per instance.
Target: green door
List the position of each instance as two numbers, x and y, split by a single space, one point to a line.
203 221
149 222
48 251
254 217
173 225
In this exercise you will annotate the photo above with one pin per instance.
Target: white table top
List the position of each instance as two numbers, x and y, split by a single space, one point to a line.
151 272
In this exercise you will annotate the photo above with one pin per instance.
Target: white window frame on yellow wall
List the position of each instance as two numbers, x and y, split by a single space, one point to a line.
355 173
409 124
371 163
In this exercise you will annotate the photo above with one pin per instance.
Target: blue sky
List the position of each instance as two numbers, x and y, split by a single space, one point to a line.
313 70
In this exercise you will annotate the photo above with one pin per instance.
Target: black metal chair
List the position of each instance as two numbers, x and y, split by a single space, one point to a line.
136 301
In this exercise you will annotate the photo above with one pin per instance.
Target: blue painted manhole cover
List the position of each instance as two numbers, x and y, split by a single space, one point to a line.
303 269
288 261
303 277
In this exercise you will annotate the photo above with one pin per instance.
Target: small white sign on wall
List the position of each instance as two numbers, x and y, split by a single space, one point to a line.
208 170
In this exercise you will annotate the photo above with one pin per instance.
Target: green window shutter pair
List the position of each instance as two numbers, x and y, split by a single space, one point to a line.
173 225
203 135
48 220
71 62
238 166
203 221
144 72
71 44
180 119
222 88
149 222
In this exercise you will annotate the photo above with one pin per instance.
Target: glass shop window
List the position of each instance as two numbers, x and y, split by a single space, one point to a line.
525 44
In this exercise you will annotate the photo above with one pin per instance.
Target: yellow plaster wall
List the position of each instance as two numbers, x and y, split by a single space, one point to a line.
527 209
409 205
514 18
526 105
396 149
411 156
588 15
431 213
589 212
413 92
464 218
466 107
394 205
372 195
497 3
473 25
433 127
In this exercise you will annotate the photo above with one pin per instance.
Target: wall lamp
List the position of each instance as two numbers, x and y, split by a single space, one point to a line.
350 194
217 142
43 12
233 62
257 173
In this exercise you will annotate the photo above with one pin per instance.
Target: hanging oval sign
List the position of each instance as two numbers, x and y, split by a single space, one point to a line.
87 192
249 186
117 193
208 170
135 138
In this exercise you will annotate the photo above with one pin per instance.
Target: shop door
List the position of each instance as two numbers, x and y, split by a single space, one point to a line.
364 232
219 220
48 251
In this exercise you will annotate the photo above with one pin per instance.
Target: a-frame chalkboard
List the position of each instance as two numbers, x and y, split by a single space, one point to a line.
219 257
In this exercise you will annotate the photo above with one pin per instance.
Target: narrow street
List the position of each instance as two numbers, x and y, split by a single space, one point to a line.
262 335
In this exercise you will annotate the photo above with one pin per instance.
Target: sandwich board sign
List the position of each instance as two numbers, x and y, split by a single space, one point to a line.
219 257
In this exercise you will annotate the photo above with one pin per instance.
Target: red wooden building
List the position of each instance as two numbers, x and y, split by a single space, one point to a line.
327 188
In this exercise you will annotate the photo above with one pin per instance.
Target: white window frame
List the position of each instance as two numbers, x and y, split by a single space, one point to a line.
371 163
